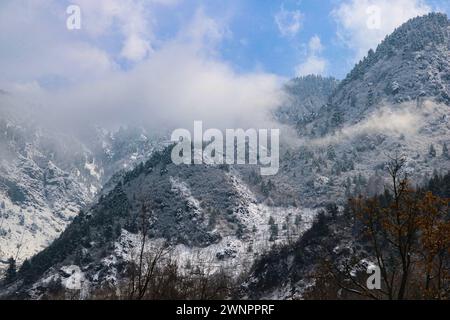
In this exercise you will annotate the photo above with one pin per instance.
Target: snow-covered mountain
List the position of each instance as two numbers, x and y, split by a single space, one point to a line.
46 176
304 98
344 148
410 66
395 101
206 213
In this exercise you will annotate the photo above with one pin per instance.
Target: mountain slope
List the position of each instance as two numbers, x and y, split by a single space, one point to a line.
347 144
410 65
304 98
395 102
46 175
391 103
206 213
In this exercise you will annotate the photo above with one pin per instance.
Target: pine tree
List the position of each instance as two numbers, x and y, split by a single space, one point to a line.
118 230
348 188
331 153
25 268
370 97
445 153
432 151
298 220
240 232
273 232
11 272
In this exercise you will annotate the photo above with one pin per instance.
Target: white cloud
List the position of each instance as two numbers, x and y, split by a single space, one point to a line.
35 44
135 48
131 17
315 63
315 45
288 22
363 24
204 30
401 119
181 81
170 91
166 2
312 65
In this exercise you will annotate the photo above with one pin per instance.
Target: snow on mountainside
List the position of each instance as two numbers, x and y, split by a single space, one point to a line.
304 97
207 214
343 149
411 65
394 101
47 176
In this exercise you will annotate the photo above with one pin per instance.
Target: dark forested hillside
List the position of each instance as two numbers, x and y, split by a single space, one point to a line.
330 260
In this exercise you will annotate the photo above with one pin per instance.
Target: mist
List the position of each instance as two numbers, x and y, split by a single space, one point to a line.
173 89
182 79
404 119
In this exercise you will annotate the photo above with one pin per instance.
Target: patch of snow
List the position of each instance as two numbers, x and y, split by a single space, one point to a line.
93 170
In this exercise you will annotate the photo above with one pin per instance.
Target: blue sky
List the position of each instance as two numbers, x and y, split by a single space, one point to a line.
175 61
286 38
266 47
257 42
254 40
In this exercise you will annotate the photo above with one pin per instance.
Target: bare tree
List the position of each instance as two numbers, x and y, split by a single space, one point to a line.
408 234
142 272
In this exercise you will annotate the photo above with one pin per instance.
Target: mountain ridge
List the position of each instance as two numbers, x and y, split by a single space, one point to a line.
200 207
410 65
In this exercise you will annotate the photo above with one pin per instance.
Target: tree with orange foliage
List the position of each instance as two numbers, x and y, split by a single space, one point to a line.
409 239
